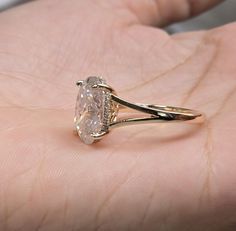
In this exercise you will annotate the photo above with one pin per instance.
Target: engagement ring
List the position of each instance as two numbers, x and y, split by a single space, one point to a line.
99 109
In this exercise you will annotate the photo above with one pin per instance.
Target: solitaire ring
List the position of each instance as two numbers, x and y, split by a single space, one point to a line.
99 109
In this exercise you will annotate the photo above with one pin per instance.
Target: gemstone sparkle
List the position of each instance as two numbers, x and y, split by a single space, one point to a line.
91 116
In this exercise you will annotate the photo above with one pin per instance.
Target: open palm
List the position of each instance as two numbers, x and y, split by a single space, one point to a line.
162 177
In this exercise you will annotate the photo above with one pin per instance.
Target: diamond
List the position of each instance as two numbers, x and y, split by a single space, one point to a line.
93 110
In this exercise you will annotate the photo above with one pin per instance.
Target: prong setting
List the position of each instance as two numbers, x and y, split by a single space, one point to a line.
104 87
79 83
99 136
94 109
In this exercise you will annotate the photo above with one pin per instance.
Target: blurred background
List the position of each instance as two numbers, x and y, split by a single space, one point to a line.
223 13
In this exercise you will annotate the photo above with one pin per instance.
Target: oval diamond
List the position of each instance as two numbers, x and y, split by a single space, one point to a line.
91 109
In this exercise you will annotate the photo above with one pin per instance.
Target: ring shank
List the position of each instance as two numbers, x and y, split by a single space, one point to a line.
156 114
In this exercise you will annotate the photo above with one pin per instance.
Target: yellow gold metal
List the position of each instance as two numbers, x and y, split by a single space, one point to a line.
154 114
104 86
79 83
99 136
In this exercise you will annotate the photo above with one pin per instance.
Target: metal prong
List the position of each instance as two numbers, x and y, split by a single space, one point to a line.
99 136
79 83
75 130
104 86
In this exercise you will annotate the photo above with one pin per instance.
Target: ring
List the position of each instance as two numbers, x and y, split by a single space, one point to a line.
99 109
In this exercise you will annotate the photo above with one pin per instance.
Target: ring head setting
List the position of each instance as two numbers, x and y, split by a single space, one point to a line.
94 109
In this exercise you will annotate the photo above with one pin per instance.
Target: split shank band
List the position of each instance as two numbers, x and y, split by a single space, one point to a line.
156 114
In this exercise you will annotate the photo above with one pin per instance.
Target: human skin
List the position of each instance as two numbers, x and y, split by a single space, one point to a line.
159 177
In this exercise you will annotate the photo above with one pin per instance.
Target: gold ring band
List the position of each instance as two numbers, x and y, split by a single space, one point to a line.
157 114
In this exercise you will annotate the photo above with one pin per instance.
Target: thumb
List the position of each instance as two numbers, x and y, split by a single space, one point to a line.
163 12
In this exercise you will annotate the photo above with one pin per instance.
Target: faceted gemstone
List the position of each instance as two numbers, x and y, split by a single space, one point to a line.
90 106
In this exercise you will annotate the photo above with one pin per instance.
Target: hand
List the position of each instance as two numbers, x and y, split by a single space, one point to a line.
158 177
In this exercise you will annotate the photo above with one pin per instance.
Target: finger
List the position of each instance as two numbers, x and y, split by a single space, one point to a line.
46 47
162 12
157 12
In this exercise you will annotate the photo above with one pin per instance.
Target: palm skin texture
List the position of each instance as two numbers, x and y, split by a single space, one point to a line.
159 177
